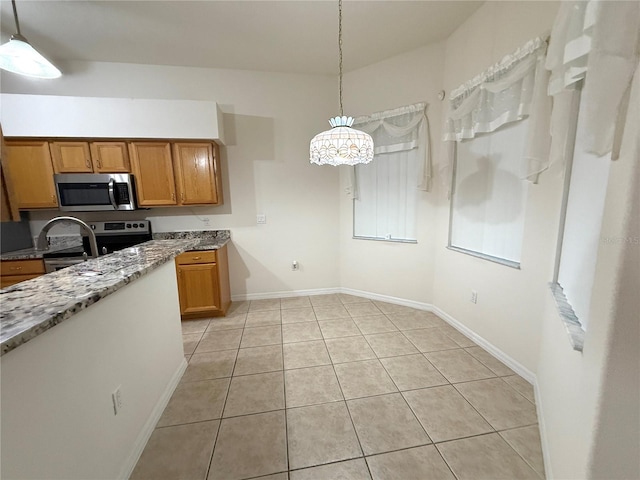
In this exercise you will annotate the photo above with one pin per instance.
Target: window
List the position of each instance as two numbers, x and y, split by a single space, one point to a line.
489 195
583 205
592 62
499 122
385 199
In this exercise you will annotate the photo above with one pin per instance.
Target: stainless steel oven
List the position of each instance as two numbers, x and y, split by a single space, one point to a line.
110 237
89 192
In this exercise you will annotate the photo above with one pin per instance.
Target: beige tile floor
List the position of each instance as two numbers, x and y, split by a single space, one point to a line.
341 387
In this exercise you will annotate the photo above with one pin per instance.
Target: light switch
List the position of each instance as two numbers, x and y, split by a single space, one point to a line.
261 218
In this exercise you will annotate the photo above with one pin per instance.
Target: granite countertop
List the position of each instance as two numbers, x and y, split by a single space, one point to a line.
32 307
208 239
58 244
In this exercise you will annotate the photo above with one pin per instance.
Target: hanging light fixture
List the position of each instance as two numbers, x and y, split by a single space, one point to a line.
342 145
18 56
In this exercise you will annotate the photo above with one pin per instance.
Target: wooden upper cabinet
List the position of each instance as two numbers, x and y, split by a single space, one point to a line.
8 203
153 173
28 168
197 173
82 157
8 210
110 157
71 157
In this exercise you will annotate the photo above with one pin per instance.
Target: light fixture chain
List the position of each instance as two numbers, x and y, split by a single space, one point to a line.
15 16
340 49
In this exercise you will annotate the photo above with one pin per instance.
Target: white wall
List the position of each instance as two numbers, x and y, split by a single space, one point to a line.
508 310
506 313
57 413
395 269
269 119
590 399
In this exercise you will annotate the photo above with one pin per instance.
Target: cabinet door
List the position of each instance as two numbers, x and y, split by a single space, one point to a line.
196 173
110 157
29 170
6 215
198 288
71 157
8 203
153 173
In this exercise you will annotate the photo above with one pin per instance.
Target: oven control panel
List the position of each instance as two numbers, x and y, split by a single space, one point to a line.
121 227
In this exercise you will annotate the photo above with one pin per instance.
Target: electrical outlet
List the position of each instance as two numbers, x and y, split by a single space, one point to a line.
474 297
116 397
295 266
261 219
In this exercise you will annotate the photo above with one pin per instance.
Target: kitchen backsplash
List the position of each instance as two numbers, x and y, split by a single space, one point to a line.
15 235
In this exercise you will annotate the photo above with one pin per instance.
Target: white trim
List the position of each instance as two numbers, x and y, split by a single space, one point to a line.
389 299
542 428
488 346
294 293
150 424
514 365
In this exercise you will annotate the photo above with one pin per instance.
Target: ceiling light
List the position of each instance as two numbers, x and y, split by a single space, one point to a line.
342 145
18 56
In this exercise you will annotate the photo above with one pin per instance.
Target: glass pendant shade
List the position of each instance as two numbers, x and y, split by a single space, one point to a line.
18 56
342 145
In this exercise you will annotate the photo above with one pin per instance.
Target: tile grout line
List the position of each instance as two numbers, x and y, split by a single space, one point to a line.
346 404
378 358
215 443
284 395
518 453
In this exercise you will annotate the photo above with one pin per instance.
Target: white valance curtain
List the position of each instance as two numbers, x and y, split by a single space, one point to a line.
397 130
600 42
511 90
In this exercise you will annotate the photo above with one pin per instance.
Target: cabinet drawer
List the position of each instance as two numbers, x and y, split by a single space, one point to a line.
13 279
190 258
21 267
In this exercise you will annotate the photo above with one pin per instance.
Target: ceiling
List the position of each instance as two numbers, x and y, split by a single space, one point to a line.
279 36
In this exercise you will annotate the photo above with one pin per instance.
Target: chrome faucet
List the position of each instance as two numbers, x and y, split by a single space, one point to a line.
43 244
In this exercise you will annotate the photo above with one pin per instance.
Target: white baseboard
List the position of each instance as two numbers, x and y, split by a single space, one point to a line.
514 365
544 438
389 299
495 351
150 424
291 293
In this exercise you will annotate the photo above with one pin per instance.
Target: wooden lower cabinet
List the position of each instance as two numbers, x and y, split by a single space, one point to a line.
203 283
16 271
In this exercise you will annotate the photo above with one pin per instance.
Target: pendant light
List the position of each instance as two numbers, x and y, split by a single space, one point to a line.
18 56
342 145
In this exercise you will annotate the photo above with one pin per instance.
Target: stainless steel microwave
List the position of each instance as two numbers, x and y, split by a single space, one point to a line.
91 192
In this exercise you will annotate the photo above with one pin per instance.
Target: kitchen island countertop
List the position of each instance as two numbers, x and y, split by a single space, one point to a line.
33 307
